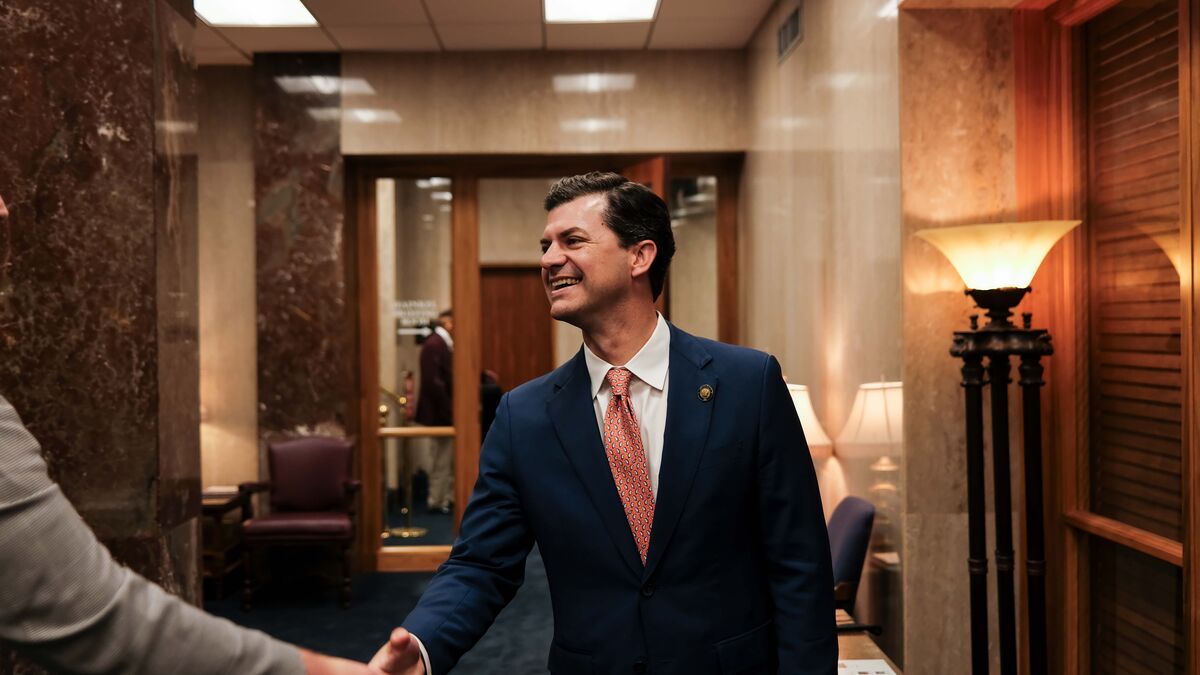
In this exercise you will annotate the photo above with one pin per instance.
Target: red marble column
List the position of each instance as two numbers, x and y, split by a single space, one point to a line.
98 304
306 320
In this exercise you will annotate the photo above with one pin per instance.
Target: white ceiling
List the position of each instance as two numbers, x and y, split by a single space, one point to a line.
481 25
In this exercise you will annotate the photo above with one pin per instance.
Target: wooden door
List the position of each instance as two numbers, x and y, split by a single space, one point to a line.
516 330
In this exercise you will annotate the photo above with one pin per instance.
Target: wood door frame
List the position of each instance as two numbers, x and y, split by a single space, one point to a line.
1051 183
363 276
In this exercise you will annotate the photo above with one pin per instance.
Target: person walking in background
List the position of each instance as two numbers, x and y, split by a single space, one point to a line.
435 408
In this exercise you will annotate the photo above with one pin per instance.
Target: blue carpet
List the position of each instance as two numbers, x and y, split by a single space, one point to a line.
309 615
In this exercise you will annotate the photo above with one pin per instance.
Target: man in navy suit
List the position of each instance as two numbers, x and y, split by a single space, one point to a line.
664 477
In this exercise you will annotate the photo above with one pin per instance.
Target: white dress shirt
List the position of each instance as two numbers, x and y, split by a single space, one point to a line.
647 392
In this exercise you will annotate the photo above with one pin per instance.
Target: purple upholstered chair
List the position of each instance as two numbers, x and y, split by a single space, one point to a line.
312 498
849 536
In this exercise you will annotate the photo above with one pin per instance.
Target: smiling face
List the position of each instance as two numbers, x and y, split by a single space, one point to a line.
585 270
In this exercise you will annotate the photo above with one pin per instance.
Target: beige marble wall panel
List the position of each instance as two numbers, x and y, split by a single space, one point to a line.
228 385
958 166
511 220
820 222
507 102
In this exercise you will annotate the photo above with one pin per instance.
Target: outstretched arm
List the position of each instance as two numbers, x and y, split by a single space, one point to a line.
68 605
795 540
487 564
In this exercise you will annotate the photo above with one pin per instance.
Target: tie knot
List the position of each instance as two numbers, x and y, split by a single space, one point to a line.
618 379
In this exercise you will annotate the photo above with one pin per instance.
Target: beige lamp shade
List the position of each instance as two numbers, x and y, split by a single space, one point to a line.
876 424
998 255
819 444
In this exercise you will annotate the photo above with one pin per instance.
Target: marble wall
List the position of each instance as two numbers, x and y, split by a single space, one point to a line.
543 102
98 308
819 238
306 315
958 161
228 384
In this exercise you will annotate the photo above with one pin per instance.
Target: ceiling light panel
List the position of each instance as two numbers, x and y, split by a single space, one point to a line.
256 13
592 11
594 82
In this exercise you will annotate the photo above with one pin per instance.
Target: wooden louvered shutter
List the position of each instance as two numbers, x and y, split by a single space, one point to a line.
1134 220
1135 404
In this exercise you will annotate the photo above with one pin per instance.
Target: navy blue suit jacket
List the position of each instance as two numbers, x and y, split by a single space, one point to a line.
738 576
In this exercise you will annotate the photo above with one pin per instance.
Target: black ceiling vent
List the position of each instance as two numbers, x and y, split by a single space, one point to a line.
791 31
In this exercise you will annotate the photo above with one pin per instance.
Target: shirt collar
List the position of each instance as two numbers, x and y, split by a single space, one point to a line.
649 365
445 335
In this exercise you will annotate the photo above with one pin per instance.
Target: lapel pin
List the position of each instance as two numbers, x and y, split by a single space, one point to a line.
705 393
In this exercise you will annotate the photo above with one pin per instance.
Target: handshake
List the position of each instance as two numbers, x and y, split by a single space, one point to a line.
400 656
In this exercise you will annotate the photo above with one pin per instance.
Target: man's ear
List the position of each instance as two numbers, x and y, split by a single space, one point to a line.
643 254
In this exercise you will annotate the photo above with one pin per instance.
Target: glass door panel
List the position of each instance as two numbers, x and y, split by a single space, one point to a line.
416 429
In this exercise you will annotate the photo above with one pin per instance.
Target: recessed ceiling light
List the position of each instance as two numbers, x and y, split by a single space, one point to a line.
599 11
324 84
254 13
595 82
593 125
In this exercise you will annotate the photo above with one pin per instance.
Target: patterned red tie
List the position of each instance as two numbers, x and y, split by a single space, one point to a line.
627 459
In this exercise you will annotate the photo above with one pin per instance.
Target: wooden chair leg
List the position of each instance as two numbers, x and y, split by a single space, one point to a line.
247 576
346 576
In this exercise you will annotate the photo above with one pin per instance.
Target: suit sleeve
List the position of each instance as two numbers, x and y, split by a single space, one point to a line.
487 564
795 540
68 605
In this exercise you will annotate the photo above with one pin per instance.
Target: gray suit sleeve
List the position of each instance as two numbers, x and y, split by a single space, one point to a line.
68 605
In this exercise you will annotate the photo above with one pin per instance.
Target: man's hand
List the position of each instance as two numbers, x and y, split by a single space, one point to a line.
400 656
319 664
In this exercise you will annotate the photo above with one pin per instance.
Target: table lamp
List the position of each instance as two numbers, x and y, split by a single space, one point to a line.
819 445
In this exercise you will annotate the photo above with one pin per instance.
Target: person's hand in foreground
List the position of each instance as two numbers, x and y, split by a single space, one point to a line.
400 656
320 664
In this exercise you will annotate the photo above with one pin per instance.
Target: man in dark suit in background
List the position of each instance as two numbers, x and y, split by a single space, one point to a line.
665 479
435 408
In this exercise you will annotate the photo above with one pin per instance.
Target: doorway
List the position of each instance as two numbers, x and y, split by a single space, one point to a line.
461 233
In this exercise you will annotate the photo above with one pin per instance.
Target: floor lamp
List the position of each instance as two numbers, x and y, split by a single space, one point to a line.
997 262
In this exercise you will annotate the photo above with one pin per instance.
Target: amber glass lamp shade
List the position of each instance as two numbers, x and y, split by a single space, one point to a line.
997 261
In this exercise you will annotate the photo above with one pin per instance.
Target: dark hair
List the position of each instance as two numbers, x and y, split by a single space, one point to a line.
633 212
446 314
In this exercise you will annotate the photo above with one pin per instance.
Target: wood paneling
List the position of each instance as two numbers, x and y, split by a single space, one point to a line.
516 333
1137 612
412 558
1135 213
360 217
415 432
728 317
468 321
1190 243
1075 12
1049 167
1151 544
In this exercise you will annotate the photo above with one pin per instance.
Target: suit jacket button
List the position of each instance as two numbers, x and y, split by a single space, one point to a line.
639 665
648 590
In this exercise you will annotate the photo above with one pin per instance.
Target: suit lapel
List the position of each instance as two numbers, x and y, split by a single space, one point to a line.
686 431
574 418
